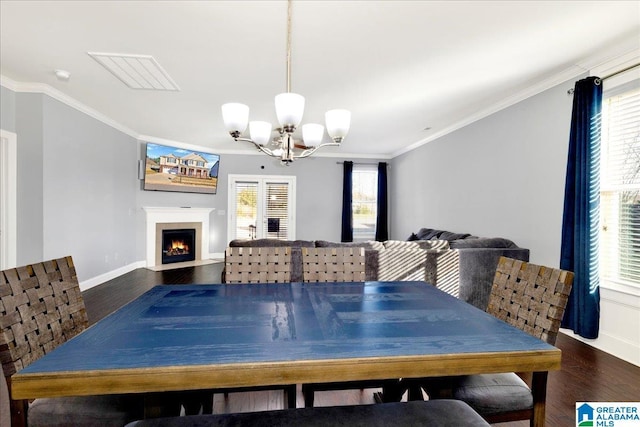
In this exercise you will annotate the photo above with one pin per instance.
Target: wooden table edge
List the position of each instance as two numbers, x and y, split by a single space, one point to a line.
172 378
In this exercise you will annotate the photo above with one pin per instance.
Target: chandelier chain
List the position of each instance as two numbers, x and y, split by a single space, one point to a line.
289 46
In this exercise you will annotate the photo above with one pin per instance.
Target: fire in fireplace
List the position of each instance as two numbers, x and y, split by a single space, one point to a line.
178 245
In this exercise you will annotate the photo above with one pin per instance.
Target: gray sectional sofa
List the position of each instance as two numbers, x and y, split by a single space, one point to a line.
478 258
460 264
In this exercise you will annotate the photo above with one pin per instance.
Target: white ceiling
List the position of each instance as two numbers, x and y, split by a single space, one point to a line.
399 66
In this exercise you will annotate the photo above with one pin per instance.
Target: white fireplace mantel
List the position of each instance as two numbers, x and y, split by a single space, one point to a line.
157 215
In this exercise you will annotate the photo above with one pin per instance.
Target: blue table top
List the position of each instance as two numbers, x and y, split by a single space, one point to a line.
182 325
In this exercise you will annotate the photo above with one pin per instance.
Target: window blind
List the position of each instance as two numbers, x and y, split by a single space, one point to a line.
620 188
246 210
277 211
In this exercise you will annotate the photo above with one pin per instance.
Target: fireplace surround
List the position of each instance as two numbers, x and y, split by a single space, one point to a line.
167 218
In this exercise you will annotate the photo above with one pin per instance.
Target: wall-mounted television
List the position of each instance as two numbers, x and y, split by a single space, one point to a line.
170 168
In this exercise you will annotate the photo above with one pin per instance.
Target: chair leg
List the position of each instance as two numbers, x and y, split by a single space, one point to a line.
309 395
415 393
290 396
393 390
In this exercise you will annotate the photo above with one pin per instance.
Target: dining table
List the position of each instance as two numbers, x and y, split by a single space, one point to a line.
195 337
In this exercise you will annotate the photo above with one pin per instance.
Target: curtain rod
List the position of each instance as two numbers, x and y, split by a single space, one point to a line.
620 72
608 76
363 163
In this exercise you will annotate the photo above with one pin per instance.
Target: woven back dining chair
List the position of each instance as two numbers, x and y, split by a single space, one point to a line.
341 264
532 298
338 264
258 265
41 307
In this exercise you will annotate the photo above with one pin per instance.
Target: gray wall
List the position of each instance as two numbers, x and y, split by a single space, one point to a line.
89 192
502 176
30 207
74 185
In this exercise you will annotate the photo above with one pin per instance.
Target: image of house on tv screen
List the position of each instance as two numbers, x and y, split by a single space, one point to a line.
178 169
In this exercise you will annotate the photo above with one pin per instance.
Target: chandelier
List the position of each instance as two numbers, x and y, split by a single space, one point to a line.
289 110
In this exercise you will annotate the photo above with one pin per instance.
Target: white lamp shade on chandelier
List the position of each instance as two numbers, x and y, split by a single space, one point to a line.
338 123
235 116
289 109
260 132
312 134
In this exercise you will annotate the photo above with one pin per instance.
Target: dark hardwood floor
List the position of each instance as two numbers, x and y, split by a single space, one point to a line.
587 374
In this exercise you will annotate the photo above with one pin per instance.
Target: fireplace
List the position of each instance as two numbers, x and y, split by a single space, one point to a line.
178 245
165 218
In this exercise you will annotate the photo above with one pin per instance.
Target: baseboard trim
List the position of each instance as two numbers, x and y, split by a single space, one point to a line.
615 346
95 281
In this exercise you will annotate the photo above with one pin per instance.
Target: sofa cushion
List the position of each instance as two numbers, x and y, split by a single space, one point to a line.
272 243
416 244
483 242
369 244
448 235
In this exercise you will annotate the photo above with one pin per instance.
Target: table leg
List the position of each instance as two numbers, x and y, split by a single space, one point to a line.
18 410
539 391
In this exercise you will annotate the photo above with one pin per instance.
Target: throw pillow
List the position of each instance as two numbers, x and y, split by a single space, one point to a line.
428 233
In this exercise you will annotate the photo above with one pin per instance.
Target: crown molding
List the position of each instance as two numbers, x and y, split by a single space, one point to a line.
65 99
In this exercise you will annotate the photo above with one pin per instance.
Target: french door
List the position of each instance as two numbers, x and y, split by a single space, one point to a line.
261 207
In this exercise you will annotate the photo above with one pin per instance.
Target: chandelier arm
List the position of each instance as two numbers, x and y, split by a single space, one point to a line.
310 151
265 150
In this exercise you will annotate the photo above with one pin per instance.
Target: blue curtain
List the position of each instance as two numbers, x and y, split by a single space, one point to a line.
347 221
382 227
579 251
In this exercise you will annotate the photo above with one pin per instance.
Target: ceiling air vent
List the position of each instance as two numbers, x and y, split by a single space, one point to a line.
136 71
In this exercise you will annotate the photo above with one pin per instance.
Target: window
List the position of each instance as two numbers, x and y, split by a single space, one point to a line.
261 207
620 186
364 193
